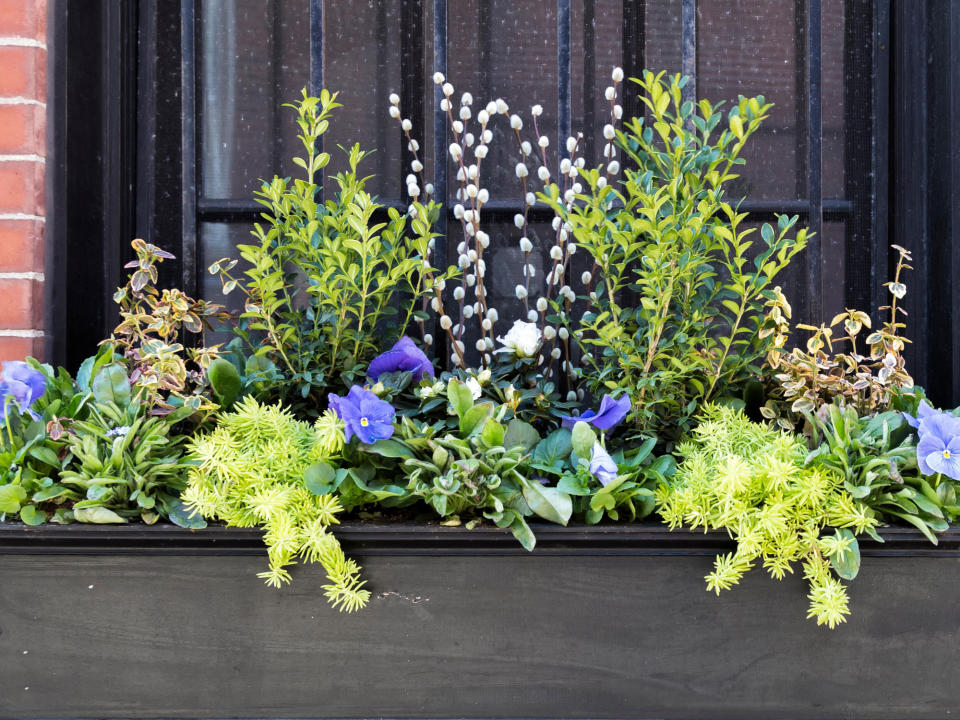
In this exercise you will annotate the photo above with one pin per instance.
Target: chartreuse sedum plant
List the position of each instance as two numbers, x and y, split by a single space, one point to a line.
667 232
323 284
749 479
254 470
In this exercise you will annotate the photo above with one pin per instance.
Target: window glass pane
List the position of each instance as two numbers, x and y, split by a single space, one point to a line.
505 49
361 55
664 41
596 47
756 47
834 72
254 55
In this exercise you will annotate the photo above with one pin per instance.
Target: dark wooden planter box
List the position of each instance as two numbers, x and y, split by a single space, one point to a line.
602 622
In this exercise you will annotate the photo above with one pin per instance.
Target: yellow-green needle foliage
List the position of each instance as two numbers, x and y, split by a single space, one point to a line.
749 479
250 473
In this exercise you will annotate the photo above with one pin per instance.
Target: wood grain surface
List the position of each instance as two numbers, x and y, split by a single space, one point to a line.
455 635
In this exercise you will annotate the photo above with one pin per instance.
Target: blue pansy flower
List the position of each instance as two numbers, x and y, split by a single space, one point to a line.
602 466
404 355
923 412
939 448
364 414
20 384
612 412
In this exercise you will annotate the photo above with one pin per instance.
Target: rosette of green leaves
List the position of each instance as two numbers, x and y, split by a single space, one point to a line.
565 455
32 451
124 461
877 458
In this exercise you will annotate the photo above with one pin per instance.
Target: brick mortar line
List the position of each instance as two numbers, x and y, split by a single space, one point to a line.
21 100
22 42
33 157
38 276
21 333
23 216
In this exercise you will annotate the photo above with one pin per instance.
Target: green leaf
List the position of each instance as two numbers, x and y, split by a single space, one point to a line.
520 434
492 433
460 397
48 493
389 448
571 485
320 478
180 514
554 448
548 502
112 385
917 523
85 373
97 514
30 515
846 561
512 520
225 381
471 422
11 498
45 455
582 439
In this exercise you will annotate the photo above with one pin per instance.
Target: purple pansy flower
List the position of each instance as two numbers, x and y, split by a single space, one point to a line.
20 384
364 414
939 448
404 355
602 466
612 412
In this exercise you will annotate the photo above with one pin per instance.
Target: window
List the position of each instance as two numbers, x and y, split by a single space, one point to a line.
194 90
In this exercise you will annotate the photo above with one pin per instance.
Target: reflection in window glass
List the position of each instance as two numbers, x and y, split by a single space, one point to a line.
756 47
254 55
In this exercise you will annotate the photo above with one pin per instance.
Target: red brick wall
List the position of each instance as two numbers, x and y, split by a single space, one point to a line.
23 64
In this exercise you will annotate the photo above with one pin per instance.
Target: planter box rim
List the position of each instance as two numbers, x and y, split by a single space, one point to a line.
422 538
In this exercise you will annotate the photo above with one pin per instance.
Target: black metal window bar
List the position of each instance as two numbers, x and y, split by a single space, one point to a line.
862 286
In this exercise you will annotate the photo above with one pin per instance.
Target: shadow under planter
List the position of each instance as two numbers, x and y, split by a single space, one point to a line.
602 622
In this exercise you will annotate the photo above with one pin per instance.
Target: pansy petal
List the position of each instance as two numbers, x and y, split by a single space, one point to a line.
22 372
602 465
949 466
612 412
568 421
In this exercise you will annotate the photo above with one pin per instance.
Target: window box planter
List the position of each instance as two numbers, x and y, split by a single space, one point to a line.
139 621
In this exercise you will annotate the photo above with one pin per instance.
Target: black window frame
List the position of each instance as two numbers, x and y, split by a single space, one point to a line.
106 97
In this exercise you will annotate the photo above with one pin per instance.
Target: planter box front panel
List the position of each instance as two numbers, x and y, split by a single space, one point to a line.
585 628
